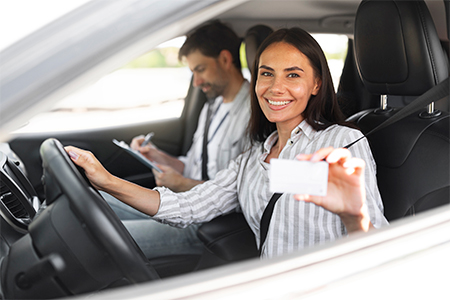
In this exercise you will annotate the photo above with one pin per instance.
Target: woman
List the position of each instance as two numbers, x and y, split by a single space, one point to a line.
294 110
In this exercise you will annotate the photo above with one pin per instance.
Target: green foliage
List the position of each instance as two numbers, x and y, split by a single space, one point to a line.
157 58
242 56
339 56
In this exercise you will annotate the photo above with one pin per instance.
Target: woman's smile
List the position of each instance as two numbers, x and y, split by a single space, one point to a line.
278 104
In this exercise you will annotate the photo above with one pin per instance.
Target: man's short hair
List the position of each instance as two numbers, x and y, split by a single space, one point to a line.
210 39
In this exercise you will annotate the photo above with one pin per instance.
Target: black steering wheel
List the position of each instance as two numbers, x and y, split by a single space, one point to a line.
81 227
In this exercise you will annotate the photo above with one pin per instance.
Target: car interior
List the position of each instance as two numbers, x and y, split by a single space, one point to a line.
74 244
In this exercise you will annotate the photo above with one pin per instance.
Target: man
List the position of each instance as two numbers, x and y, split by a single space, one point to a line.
212 54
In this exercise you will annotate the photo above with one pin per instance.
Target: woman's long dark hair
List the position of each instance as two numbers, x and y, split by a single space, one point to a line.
322 109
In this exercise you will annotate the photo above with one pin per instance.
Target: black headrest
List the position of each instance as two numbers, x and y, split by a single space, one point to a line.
398 50
253 38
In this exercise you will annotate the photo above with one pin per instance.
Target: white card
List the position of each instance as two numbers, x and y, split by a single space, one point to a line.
298 177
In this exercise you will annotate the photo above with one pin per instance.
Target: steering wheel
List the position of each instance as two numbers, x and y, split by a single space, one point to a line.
81 227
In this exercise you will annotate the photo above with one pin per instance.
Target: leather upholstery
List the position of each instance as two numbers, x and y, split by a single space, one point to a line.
253 38
399 53
398 48
229 237
352 94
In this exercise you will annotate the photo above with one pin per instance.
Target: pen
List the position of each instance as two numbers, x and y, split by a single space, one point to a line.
147 139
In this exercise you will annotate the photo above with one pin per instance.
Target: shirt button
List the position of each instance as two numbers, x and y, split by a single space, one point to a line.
291 142
297 131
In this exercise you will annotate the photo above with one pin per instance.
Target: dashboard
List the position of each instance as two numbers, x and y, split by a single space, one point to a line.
19 202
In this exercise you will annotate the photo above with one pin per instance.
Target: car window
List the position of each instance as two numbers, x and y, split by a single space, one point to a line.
335 48
149 88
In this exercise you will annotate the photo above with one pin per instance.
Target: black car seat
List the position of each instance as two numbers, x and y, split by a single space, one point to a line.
398 52
253 38
351 93
229 238
194 101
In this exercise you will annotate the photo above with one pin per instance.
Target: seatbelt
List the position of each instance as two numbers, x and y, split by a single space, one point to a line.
205 141
434 94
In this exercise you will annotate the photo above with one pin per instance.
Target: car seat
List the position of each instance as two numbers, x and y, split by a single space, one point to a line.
253 38
351 93
398 52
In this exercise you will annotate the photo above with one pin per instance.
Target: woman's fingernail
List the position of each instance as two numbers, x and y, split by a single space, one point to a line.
315 158
73 155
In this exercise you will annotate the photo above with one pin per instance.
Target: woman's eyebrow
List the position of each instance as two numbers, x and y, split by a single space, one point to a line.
286 70
266 67
294 69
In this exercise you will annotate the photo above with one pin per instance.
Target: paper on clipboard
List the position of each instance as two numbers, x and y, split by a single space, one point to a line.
137 155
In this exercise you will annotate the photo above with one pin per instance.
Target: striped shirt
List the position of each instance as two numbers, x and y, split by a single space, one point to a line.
245 184
226 136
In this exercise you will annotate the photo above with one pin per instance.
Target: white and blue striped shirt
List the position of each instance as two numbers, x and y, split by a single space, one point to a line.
226 137
245 184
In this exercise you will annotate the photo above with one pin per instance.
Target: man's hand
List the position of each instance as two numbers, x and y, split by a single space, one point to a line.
173 180
149 151
346 193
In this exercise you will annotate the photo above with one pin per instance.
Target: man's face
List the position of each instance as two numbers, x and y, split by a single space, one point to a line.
208 74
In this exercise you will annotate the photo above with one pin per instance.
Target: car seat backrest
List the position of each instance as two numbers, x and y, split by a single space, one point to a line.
253 39
398 52
398 48
351 93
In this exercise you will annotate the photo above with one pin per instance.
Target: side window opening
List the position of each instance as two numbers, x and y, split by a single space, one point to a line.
149 88
335 48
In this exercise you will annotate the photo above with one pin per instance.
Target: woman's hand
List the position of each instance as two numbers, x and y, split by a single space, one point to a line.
145 200
346 194
95 172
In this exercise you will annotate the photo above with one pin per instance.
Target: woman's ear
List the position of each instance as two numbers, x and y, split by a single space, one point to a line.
317 87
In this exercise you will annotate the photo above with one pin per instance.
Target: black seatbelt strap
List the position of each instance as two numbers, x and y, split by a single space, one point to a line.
436 93
205 142
265 219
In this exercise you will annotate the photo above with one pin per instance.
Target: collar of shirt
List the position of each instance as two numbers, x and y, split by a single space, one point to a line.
303 127
307 130
235 106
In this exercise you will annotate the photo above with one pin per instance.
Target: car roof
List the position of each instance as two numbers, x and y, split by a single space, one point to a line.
324 16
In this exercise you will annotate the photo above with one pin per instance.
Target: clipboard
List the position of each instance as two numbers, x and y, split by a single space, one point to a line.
137 155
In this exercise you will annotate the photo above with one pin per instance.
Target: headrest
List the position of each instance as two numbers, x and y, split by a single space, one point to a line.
253 38
398 50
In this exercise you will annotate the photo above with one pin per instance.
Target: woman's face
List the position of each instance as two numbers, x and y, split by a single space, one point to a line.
285 83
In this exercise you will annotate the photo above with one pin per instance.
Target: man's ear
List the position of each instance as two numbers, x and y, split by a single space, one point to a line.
225 59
